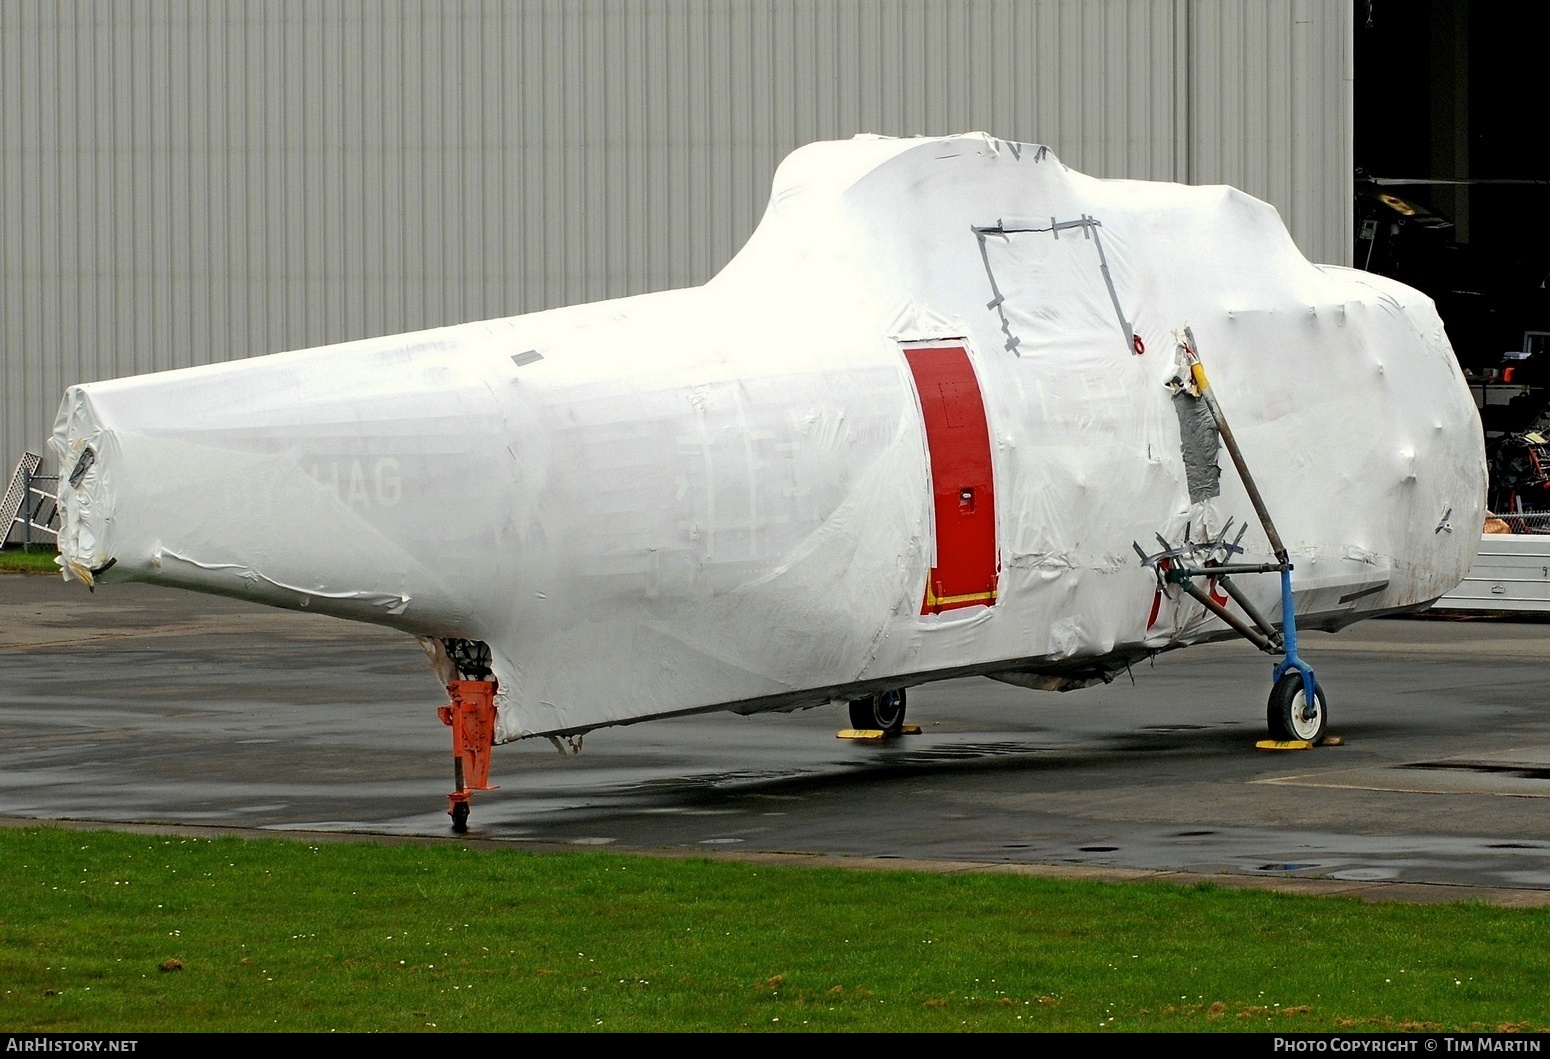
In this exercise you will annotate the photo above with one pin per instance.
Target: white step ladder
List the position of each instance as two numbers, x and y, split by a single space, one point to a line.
29 504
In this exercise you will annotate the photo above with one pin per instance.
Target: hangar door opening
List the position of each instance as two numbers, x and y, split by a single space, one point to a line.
964 561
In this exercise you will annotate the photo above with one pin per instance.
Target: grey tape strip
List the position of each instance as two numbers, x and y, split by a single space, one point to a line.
1012 341
1103 263
1009 226
1200 442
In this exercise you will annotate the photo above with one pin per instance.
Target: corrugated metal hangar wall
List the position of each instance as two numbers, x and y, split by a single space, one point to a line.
194 180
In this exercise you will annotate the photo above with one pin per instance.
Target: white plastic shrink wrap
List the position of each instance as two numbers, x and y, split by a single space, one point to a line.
909 432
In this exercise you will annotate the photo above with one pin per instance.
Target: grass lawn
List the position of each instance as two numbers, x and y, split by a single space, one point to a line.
35 560
112 932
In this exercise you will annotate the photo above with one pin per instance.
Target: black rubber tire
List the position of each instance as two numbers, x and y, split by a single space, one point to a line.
881 712
460 818
1287 715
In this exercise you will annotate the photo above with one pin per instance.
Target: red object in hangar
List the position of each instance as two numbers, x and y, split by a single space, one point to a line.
965 564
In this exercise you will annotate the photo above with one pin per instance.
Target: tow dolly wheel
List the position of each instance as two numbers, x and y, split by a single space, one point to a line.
881 712
1289 715
459 814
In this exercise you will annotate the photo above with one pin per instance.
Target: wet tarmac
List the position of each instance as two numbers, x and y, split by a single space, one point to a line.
144 705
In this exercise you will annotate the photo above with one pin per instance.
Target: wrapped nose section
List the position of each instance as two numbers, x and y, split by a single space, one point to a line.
153 489
303 480
84 510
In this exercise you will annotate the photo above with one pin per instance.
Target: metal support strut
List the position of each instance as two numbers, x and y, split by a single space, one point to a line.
471 715
1177 565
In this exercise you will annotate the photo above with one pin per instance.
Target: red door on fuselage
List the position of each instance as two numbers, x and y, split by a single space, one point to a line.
966 565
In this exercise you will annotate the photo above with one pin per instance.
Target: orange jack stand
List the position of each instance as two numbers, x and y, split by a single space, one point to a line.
471 714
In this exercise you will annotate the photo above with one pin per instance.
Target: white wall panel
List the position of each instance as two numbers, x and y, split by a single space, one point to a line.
193 180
